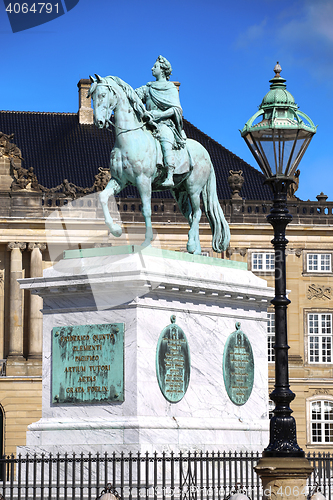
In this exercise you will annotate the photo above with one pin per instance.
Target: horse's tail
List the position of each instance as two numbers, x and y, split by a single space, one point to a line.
214 214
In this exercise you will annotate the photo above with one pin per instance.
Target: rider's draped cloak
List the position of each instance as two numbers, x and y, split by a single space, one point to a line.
165 95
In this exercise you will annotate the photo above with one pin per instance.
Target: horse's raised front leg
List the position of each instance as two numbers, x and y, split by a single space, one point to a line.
143 184
112 188
193 243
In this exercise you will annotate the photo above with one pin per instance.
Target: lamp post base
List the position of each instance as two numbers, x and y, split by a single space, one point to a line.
282 440
284 478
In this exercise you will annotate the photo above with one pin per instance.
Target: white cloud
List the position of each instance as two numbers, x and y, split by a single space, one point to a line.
300 33
312 24
307 39
320 18
253 34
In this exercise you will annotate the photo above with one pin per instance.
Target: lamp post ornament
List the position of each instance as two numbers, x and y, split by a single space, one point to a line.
278 143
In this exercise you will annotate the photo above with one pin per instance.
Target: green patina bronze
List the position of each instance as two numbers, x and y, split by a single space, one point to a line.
88 363
173 362
279 109
152 153
162 102
238 367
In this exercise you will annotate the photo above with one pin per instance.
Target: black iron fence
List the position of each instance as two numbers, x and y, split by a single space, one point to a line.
190 476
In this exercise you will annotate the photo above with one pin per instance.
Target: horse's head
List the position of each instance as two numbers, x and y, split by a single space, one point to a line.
104 100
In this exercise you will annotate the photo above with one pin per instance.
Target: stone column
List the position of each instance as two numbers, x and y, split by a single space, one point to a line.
36 303
284 478
15 301
2 313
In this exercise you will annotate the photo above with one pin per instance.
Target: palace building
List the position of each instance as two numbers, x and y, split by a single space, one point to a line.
52 166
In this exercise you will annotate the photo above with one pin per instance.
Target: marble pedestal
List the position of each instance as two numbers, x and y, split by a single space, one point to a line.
142 289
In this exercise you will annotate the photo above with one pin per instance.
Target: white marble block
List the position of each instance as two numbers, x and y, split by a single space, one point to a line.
142 289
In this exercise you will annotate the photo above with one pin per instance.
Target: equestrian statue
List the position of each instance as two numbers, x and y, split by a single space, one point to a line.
152 152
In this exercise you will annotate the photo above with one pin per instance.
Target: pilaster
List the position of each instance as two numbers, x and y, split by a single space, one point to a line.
15 352
36 304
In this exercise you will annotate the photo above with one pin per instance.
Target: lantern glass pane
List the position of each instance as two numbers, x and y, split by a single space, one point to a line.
278 151
258 154
301 145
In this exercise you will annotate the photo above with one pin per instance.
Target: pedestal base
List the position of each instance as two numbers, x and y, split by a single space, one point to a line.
142 289
284 478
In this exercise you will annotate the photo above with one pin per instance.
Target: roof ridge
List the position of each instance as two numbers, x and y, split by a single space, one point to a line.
58 147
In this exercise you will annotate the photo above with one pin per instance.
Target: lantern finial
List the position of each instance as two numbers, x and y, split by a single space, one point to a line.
277 69
280 139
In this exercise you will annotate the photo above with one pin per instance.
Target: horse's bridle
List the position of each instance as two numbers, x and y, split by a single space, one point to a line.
122 130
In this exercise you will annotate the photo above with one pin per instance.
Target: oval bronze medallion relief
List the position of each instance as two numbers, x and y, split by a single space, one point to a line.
173 362
238 367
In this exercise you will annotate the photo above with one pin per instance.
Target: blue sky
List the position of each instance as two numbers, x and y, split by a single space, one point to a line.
222 52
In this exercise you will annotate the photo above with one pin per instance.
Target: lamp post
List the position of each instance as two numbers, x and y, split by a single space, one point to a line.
278 143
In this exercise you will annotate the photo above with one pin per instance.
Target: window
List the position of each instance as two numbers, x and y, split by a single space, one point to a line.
263 261
320 337
322 421
271 335
318 263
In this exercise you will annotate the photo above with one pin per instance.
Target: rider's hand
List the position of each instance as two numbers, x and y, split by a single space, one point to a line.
157 115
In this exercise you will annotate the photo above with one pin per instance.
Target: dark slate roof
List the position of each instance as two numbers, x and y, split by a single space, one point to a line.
59 148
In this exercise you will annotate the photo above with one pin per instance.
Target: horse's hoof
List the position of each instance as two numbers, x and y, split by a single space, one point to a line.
191 247
116 230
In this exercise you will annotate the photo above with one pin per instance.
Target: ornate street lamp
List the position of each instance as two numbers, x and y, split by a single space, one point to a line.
278 143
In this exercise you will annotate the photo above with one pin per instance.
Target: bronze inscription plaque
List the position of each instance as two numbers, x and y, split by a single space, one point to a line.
238 367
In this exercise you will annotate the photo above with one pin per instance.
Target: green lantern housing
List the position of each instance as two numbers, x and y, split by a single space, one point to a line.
279 141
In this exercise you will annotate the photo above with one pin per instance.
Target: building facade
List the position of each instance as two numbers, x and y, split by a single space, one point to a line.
49 203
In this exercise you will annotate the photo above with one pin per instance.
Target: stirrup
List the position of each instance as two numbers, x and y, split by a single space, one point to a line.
168 183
